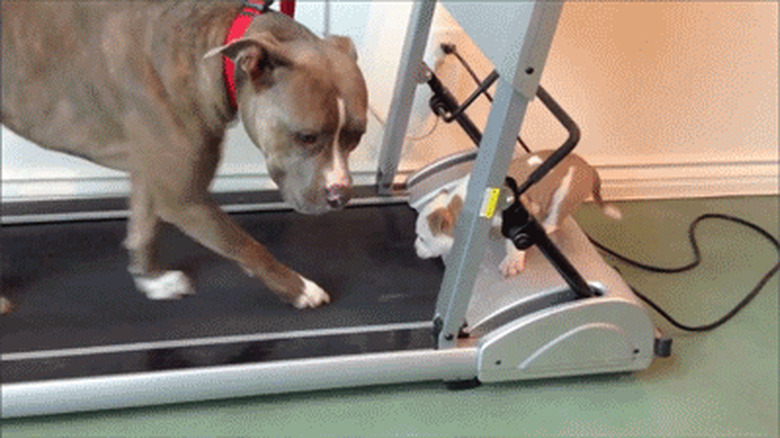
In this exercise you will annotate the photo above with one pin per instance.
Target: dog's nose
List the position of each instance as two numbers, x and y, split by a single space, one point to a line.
338 196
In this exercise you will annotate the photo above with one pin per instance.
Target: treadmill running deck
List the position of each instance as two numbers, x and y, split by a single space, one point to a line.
77 313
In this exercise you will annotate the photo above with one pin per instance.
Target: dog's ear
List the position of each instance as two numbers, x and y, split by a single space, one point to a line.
438 220
453 212
253 53
456 205
344 44
443 220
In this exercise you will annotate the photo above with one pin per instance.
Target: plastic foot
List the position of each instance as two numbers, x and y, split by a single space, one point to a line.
458 385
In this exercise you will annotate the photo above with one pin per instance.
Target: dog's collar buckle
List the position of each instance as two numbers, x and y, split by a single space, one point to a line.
253 9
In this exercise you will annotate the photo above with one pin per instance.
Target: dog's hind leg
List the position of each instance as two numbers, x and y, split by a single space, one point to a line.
142 230
609 210
141 244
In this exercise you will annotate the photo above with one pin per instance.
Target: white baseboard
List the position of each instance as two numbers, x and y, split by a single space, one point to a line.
646 177
667 177
59 184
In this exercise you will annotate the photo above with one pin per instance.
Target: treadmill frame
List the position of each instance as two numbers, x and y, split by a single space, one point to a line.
615 322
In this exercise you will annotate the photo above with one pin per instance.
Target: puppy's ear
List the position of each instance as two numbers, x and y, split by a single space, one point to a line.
456 205
344 44
253 53
438 221
443 220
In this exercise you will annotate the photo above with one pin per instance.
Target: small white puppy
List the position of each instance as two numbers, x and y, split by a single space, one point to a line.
550 201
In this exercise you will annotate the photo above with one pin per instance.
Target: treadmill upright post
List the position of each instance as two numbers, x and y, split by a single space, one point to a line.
464 259
516 88
410 73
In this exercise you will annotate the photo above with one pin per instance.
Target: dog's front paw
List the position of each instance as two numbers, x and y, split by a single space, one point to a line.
170 285
311 296
512 264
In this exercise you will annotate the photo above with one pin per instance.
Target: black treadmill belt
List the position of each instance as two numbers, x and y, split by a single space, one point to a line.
71 290
150 358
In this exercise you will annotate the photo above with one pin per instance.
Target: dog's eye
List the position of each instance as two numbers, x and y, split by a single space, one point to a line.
350 139
306 138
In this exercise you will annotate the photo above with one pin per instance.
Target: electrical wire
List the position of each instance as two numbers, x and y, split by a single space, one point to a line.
427 134
382 122
695 263
451 49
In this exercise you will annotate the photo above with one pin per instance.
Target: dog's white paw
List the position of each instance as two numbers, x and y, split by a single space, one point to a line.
512 264
312 296
170 285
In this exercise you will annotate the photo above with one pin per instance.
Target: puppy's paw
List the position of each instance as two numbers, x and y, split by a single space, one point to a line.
5 306
512 264
311 296
170 285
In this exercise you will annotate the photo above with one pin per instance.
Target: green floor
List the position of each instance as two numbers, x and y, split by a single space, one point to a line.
720 383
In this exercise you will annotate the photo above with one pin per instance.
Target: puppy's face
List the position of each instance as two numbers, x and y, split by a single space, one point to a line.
435 226
304 104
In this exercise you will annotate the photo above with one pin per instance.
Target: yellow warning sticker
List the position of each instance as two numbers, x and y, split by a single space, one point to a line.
489 203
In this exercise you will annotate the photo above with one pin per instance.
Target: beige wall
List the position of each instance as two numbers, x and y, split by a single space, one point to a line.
673 98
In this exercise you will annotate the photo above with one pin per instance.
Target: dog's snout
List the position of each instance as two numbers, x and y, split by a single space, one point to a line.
338 195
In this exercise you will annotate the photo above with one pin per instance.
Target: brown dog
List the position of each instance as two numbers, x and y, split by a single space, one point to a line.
138 86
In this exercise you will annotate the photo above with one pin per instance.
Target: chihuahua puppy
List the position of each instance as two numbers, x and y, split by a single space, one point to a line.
550 201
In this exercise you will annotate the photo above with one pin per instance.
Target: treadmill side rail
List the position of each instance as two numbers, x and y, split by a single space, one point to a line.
155 388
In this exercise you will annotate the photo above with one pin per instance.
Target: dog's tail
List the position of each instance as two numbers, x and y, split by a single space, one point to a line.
609 210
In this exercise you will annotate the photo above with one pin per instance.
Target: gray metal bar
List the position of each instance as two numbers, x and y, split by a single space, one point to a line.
409 74
211 341
89 215
536 45
143 389
508 31
489 171
533 39
326 19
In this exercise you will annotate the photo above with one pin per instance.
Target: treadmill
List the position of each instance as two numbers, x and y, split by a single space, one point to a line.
82 338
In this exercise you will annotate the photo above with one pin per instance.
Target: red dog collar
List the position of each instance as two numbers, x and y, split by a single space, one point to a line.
239 25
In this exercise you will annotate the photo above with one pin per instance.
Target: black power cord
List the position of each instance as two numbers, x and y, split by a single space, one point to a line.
696 262
451 49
